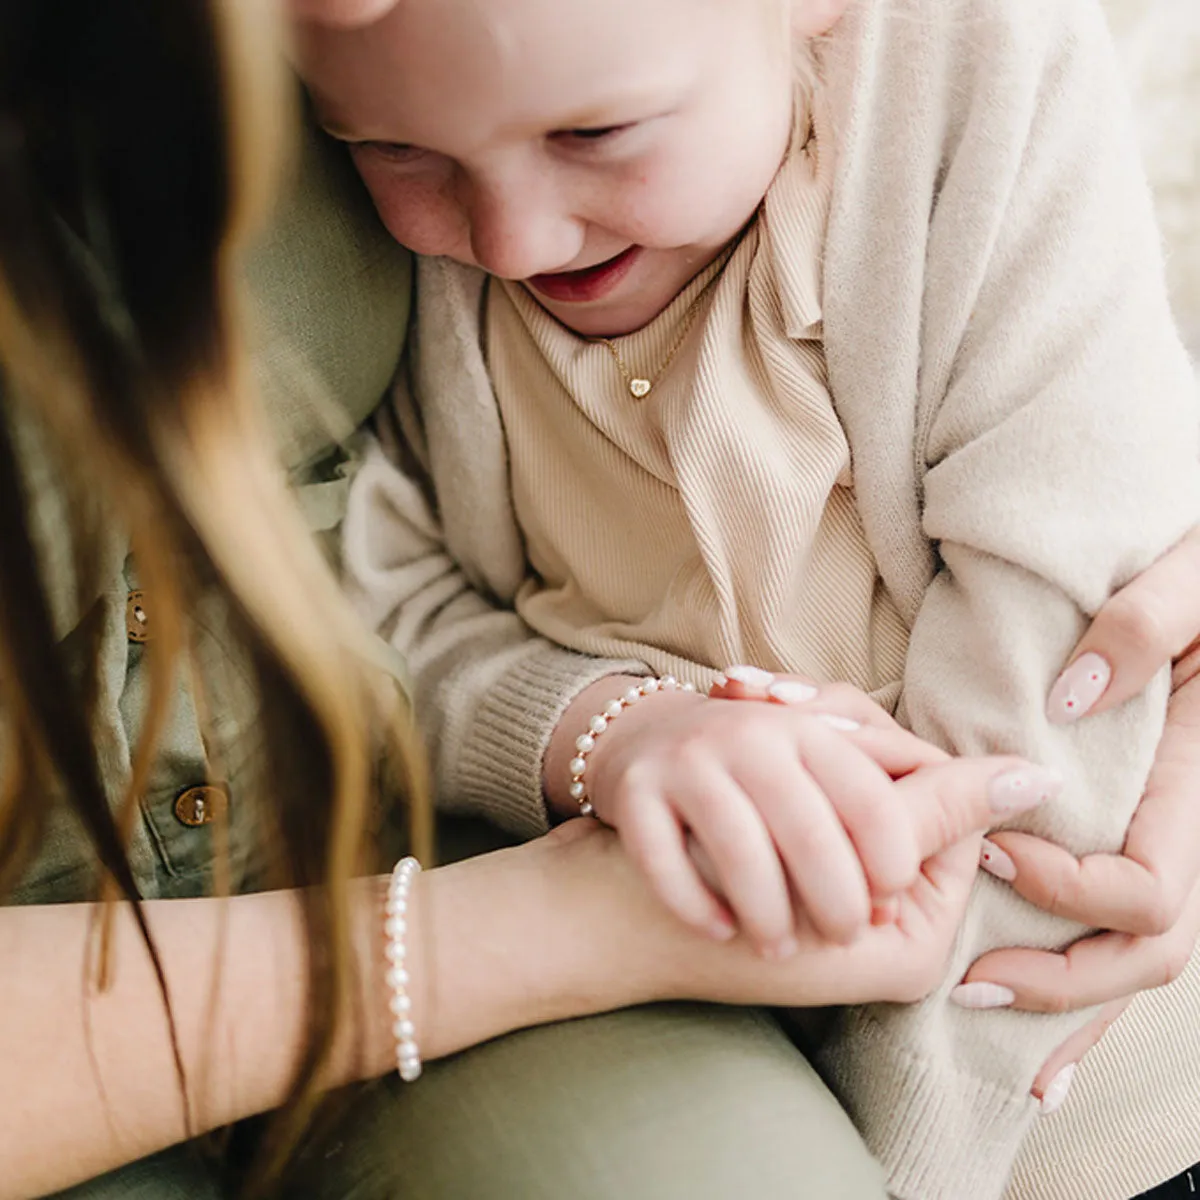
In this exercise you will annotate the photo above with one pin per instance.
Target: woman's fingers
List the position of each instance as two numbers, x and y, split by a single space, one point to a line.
949 801
1144 889
1053 1081
1153 620
1093 971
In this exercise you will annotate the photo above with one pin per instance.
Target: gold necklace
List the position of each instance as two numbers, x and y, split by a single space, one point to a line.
639 385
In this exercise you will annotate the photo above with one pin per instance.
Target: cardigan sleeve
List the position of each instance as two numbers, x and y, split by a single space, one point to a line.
1056 457
487 691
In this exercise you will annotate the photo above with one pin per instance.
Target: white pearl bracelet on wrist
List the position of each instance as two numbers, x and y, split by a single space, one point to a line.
586 742
408 1056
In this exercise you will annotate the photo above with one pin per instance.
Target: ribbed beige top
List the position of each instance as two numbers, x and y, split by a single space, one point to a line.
713 521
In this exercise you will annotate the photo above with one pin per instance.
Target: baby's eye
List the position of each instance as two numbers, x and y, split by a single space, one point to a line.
599 133
395 152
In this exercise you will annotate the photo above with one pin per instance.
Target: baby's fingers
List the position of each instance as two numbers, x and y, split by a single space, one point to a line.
655 842
951 800
738 849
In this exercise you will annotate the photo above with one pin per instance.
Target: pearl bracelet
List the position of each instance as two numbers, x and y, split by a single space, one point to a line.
408 1056
586 743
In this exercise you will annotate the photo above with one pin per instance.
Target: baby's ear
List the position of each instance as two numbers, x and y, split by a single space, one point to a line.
811 18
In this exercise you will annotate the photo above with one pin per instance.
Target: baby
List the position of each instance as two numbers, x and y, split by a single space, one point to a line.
689 266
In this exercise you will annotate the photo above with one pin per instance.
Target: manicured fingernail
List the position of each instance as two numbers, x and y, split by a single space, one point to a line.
751 676
781 950
983 995
719 681
996 862
1020 790
842 723
1078 689
1057 1089
791 691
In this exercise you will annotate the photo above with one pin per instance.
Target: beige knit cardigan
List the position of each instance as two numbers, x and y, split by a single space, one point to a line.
1022 422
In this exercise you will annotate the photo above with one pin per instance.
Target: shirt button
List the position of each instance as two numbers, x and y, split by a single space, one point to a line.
137 623
201 805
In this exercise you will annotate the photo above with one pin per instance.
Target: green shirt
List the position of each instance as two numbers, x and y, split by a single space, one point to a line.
332 294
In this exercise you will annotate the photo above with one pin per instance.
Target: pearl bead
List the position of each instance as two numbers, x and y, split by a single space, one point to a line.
577 766
668 683
585 743
410 1072
407 1029
577 789
397 977
395 951
586 809
613 708
651 685
689 687
397 1005
632 696
395 926
598 724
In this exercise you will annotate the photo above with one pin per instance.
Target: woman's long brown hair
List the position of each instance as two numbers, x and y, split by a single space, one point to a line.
139 143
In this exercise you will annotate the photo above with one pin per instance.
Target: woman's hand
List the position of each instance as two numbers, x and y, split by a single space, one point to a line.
569 924
1148 897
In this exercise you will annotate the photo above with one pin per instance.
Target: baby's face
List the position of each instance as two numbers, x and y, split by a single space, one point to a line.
601 151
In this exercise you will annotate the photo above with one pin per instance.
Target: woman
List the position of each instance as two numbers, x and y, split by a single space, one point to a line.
116 241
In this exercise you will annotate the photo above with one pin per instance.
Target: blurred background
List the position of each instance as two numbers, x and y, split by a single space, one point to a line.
1159 42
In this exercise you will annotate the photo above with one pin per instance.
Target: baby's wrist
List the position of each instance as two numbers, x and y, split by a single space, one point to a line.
592 724
650 696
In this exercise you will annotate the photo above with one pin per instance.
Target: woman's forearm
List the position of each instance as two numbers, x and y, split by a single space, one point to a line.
557 928
88 1081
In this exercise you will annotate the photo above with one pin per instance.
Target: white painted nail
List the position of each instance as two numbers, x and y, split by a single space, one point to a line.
843 724
719 680
1057 1089
752 677
996 862
1078 689
1021 789
983 995
791 691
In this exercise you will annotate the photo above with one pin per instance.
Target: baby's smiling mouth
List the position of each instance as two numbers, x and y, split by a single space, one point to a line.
588 284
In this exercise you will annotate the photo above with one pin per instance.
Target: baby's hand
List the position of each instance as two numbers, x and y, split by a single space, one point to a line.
850 709
784 804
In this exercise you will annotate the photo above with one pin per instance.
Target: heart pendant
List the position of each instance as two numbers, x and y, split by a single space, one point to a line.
639 388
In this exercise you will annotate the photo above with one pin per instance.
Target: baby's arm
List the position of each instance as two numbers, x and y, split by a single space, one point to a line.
488 692
1056 457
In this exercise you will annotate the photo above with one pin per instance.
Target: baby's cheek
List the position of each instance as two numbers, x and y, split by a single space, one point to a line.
418 213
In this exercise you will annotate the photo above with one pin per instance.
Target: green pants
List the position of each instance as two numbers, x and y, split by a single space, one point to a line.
671 1102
